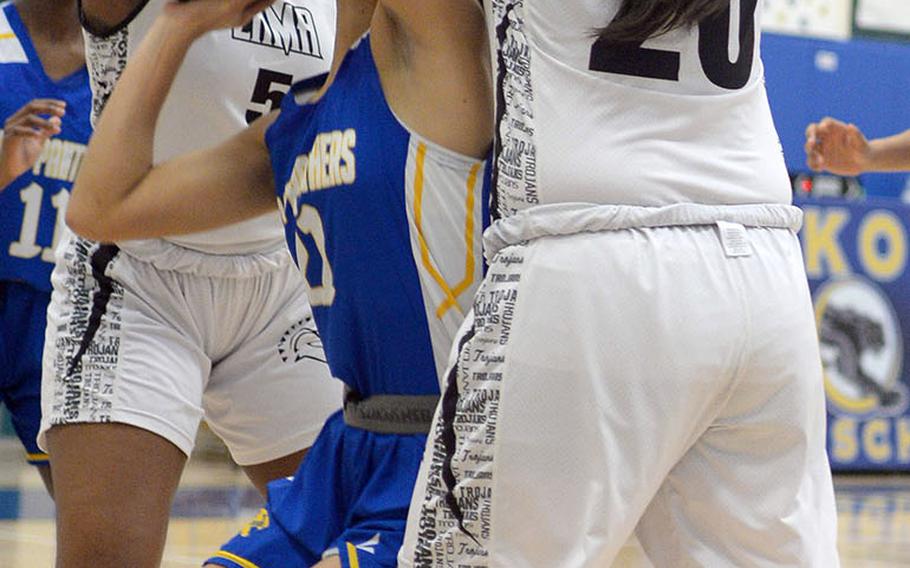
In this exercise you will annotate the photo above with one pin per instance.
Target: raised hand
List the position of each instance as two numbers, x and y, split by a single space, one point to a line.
201 16
837 147
24 135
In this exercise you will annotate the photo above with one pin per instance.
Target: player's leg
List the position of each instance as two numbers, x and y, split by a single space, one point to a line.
115 484
261 543
23 316
25 409
264 544
590 368
121 401
261 474
47 478
269 396
756 489
346 506
332 562
306 506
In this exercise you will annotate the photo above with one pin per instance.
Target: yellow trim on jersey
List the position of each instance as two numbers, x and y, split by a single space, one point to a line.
234 558
8 35
418 221
37 457
451 295
469 245
352 555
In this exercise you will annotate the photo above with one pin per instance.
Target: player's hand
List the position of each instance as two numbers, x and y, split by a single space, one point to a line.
837 147
201 16
24 135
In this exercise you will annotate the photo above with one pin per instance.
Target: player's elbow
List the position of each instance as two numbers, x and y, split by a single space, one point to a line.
78 222
88 221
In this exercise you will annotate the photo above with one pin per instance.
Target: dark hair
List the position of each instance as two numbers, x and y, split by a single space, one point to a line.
637 20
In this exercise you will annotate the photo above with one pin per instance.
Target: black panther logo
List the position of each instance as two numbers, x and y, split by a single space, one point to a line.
850 334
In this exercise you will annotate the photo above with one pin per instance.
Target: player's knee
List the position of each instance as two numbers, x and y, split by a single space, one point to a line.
90 555
97 532
261 474
100 542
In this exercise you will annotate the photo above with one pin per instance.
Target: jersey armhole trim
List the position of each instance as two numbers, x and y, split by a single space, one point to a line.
438 149
104 34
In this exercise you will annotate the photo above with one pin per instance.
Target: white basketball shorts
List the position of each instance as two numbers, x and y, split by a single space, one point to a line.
163 341
658 375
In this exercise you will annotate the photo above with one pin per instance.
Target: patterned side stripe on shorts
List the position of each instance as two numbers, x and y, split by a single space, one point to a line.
501 29
455 524
449 440
101 259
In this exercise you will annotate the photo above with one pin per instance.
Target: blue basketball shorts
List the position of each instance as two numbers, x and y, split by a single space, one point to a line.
23 315
349 499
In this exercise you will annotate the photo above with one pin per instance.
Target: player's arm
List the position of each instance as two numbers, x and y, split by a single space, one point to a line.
432 55
24 135
842 149
102 16
119 194
352 20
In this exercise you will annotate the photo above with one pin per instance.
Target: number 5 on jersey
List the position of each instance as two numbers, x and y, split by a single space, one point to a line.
269 90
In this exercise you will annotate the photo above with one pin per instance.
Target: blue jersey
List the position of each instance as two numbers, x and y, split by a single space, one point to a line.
33 207
384 225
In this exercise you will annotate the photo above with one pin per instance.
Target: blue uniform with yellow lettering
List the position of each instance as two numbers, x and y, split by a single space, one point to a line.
386 228
32 210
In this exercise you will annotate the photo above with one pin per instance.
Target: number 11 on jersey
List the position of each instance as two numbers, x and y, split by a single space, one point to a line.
26 247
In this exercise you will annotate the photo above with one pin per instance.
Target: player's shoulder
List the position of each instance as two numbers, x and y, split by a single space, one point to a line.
12 45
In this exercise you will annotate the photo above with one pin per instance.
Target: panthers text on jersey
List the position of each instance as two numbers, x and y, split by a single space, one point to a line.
33 207
385 227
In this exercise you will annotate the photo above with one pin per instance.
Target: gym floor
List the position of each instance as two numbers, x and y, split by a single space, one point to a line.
215 500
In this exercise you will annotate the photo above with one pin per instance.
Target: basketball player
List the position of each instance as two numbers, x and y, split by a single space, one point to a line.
45 103
642 354
842 149
380 184
147 337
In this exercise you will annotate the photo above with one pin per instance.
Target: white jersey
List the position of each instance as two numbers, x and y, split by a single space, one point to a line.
683 117
229 78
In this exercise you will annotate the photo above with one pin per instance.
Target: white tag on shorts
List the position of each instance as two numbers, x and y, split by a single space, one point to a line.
734 239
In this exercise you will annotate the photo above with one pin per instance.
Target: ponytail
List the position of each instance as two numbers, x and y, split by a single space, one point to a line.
638 20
